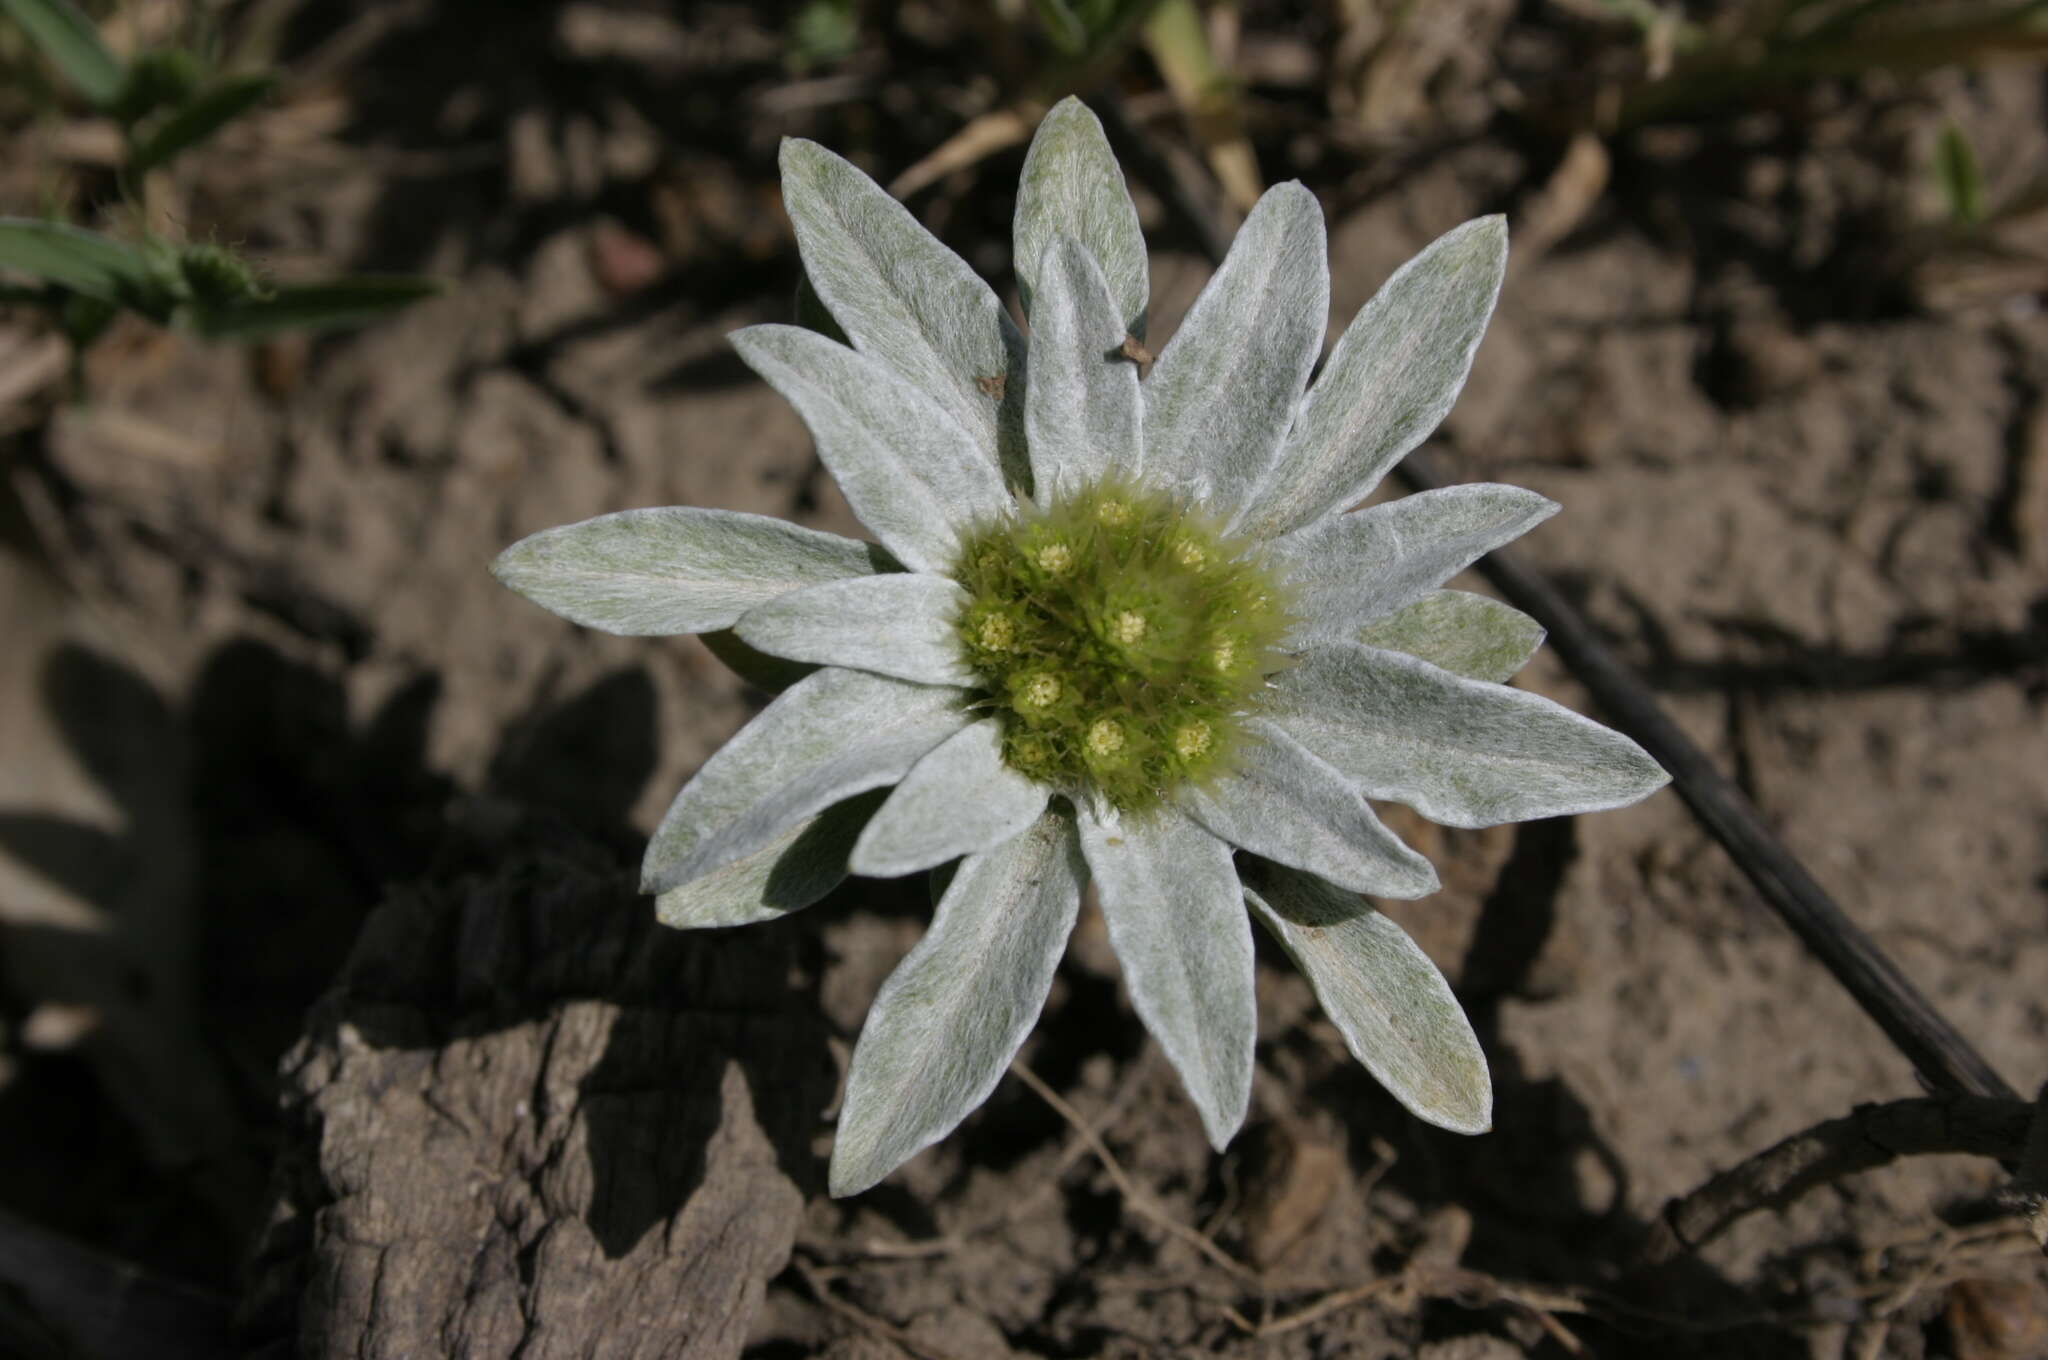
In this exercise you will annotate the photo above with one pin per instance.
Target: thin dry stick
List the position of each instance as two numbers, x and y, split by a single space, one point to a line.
1868 1137
865 1320
1320 1309
1139 1202
1454 1283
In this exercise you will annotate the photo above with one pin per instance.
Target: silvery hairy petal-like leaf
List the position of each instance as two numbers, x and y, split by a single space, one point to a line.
1072 186
1390 381
912 475
1461 752
1280 801
960 799
827 738
1082 414
1223 392
1465 634
1347 570
674 569
771 673
788 874
956 1010
904 298
1176 919
813 315
1393 1007
899 624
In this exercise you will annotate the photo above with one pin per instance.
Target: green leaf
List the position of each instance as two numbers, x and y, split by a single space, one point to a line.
823 31
1392 377
956 1010
83 261
1393 1007
1176 919
1461 752
1465 634
1962 184
72 43
907 300
1347 570
311 306
1063 26
961 799
762 671
1219 401
827 738
208 112
85 319
792 872
812 314
1281 801
900 624
673 569
914 476
157 77
1082 415
1072 186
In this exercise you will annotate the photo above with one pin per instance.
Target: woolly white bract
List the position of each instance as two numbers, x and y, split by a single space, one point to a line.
1115 629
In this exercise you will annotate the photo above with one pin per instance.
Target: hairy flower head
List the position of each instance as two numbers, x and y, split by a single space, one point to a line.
1112 628
1102 668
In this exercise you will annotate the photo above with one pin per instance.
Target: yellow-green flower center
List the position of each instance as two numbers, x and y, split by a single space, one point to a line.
1119 637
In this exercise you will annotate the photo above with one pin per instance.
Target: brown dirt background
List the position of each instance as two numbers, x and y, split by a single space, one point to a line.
253 657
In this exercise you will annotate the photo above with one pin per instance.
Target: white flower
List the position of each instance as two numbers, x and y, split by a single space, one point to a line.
1115 629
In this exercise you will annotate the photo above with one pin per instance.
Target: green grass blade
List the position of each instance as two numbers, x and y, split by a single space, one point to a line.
1962 185
312 306
83 261
1063 26
208 112
72 43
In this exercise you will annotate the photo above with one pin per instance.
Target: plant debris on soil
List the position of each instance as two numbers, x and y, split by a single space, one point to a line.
258 678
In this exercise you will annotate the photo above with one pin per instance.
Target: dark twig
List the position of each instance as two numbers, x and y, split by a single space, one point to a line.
1942 1055
2028 1194
1868 1137
1136 1199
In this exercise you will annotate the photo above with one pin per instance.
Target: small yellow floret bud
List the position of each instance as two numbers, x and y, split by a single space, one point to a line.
1041 691
1055 559
1191 741
1189 554
1105 738
1114 513
1224 657
997 633
1128 628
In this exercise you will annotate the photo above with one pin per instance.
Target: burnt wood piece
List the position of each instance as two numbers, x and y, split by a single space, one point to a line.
529 1120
